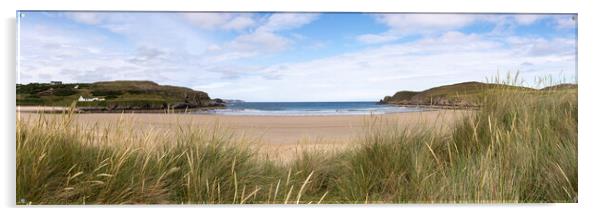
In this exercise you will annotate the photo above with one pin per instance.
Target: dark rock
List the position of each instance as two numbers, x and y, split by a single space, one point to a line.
215 104
218 100
231 101
385 100
183 106
92 109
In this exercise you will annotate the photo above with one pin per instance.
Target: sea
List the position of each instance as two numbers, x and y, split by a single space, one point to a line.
308 109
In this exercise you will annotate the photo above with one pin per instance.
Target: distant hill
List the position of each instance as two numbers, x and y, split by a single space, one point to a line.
563 86
114 95
466 94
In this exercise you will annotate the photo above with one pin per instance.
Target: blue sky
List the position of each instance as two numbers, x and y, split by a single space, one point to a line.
294 56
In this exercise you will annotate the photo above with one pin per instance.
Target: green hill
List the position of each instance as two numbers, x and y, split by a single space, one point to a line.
564 86
114 95
466 94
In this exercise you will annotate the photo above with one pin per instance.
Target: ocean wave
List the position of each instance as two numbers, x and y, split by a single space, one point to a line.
310 112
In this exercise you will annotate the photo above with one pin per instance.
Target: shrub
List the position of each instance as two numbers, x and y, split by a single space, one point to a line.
106 93
64 91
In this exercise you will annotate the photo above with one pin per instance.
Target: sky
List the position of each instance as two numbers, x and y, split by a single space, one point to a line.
295 56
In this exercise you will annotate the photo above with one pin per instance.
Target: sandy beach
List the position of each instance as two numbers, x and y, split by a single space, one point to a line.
278 135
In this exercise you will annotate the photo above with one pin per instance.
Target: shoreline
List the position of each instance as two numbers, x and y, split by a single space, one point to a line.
60 109
435 107
79 110
305 115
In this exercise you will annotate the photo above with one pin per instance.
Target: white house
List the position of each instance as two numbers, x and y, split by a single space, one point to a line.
83 99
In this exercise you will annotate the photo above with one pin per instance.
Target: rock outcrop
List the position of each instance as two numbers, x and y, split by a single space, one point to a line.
148 95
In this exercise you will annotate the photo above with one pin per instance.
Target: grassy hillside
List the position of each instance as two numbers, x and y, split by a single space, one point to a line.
565 86
118 95
519 147
466 94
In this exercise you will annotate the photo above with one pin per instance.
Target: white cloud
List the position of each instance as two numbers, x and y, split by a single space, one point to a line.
266 38
85 17
425 22
213 47
189 58
226 21
566 22
208 20
377 38
528 19
373 73
261 40
285 21
541 47
401 25
410 24
151 30
212 85
147 54
155 30
240 23
364 75
49 52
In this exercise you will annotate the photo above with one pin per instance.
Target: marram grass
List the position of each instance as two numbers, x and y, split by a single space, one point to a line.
518 147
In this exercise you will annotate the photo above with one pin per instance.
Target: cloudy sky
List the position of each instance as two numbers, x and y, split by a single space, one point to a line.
294 56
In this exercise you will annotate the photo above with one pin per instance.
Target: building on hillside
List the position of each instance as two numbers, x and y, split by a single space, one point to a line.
83 99
56 82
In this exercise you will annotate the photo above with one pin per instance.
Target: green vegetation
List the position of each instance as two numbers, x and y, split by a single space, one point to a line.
466 94
106 93
118 95
518 147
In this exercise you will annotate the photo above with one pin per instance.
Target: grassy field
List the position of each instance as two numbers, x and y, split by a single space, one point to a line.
518 147
141 94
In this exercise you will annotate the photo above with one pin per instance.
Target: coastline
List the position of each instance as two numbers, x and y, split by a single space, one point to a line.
436 107
449 106
60 109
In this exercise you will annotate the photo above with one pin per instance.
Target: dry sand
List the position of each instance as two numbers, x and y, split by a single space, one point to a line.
283 136
48 109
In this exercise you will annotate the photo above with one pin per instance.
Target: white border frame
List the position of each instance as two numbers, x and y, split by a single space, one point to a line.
589 89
